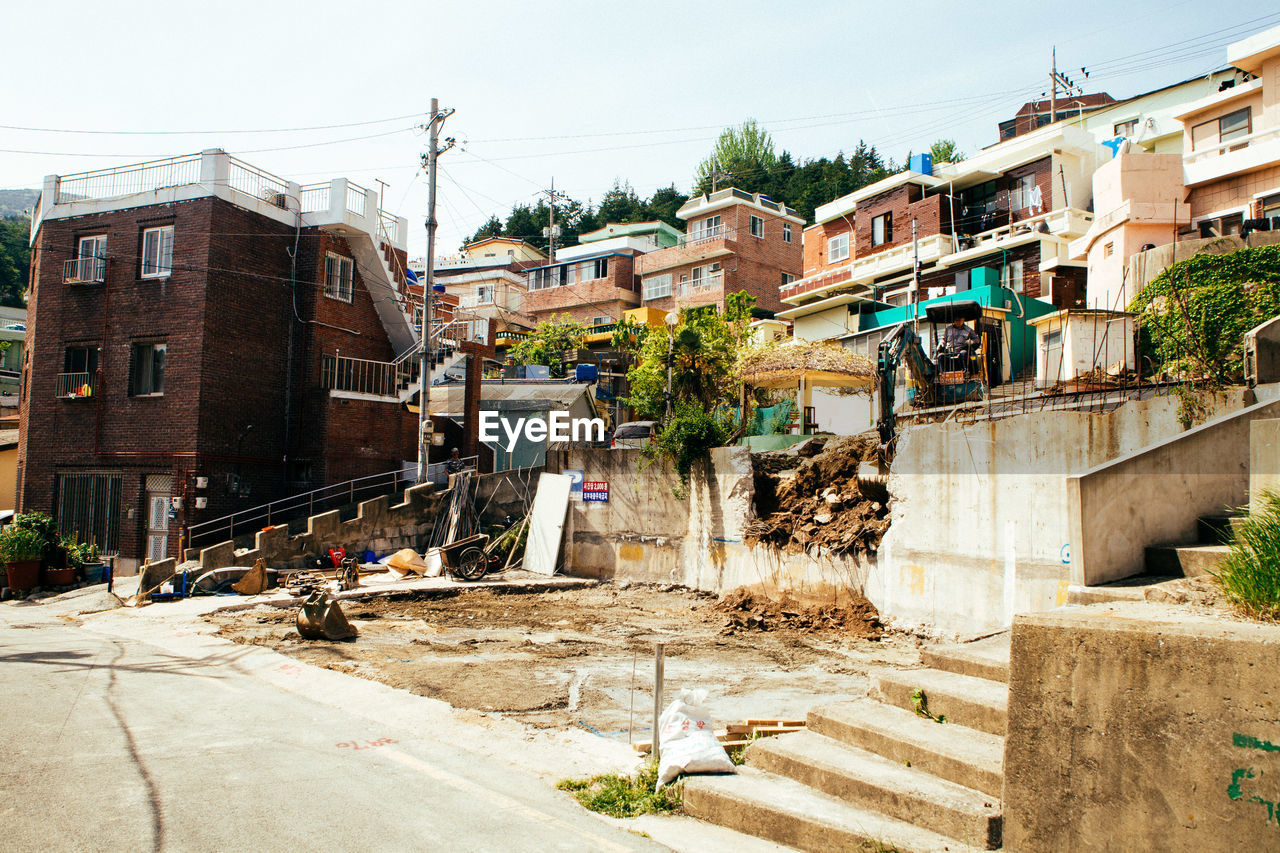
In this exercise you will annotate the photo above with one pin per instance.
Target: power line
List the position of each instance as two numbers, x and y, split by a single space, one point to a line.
206 132
154 155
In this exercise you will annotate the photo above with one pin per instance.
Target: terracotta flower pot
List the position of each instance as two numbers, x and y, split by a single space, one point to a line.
57 577
23 574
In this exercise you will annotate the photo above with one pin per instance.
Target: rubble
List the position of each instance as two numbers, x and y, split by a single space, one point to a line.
749 612
810 499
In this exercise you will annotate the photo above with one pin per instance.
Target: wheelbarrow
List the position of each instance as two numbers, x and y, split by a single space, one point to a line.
466 559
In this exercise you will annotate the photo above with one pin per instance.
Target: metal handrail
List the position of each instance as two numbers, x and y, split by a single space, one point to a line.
322 499
124 180
91 270
72 385
720 232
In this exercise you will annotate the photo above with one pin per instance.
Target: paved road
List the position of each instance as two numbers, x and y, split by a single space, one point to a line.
117 744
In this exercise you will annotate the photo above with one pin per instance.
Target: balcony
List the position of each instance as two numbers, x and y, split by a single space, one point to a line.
1235 157
91 270
705 235
73 386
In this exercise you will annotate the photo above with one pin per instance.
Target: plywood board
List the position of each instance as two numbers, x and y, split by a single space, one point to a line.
546 523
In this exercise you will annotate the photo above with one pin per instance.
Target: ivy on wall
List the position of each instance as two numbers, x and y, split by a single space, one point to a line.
1194 315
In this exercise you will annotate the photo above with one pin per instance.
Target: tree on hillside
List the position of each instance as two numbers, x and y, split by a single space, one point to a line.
945 151
15 261
664 203
492 228
620 204
743 157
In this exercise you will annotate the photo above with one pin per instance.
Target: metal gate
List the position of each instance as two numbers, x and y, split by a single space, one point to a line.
159 496
89 509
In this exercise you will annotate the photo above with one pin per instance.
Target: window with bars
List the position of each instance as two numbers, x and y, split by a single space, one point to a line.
88 509
339 277
157 252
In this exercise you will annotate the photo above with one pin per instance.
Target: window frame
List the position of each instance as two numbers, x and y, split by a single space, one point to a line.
155 375
650 290
98 255
1131 124
343 264
756 224
485 289
787 278
786 232
838 248
1020 189
1015 283
161 265
885 224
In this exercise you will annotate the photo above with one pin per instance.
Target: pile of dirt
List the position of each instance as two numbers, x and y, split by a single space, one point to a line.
817 503
749 612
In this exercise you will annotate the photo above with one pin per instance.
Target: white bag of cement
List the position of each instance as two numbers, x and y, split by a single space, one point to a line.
688 740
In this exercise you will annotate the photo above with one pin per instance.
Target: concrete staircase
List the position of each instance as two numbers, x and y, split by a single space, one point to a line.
873 773
1167 563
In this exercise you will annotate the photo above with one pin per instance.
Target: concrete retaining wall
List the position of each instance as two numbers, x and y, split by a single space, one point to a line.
1156 494
1142 729
981 528
645 533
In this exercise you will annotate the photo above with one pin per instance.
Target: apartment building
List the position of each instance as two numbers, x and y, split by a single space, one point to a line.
1209 167
734 241
1231 150
596 282
189 324
487 281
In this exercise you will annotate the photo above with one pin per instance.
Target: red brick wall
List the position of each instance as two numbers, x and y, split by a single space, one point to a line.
815 244
1029 255
753 264
906 203
608 296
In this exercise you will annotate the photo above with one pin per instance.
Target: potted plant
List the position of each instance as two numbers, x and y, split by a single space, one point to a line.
87 557
20 549
53 567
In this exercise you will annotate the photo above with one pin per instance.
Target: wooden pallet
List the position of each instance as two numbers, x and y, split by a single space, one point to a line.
740 734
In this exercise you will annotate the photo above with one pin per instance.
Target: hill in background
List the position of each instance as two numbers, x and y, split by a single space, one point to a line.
17 202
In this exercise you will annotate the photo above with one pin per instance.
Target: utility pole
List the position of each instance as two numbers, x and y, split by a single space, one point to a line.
552 197
1068 85
427 353
1053 81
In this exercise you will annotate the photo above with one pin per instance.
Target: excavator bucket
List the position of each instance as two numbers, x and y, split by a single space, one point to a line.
322 619
254 581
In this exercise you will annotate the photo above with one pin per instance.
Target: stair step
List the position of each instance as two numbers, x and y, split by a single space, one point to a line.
1189 561
892 788
1129 589
1218 529
958 754
986 658
977 703
787 812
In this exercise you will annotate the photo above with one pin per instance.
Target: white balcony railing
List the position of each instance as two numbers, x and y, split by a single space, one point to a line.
84 270
704 285
1238 144
705 235
126 180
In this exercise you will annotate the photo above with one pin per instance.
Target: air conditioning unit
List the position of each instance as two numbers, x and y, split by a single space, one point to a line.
202 482
201 503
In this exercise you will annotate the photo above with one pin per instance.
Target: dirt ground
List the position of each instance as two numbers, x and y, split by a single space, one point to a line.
582 657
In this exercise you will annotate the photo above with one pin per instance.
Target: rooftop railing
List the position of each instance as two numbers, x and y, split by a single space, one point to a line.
256 182
705 235
125 180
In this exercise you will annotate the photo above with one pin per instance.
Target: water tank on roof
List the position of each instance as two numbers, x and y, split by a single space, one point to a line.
922 163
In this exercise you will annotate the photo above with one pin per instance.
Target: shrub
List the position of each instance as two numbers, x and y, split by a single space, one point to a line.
18 544
626 796
1250 574
1195 313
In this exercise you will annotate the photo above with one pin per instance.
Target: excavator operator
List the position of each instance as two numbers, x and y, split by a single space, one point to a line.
958 344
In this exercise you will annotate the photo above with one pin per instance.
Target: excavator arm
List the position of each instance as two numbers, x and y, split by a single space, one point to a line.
901 344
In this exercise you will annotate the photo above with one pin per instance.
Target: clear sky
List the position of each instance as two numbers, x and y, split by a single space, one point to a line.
582 92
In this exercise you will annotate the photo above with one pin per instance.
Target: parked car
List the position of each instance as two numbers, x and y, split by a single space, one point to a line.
634 435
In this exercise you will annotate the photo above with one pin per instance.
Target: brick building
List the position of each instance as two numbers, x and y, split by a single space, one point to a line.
191 324
734 241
